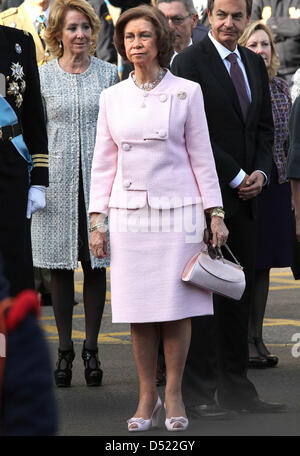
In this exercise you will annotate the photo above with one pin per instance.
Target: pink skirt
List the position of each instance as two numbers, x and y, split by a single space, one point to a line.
149 251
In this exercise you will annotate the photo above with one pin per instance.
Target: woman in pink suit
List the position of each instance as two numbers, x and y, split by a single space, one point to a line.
153 170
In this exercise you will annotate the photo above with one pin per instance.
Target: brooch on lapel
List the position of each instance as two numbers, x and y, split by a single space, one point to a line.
17 87
18 48
181 95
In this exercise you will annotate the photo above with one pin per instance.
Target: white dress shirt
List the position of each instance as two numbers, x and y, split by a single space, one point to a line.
175 52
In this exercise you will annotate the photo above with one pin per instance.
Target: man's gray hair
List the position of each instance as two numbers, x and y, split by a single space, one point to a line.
188 4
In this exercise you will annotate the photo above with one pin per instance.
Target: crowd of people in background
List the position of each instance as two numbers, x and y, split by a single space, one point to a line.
223 130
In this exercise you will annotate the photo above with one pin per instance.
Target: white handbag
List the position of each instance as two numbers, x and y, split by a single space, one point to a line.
217 275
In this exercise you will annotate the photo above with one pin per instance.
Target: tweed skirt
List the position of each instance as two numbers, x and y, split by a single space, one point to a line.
149 251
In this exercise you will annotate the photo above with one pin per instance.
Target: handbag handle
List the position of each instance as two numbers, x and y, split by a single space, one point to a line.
235 259
207 237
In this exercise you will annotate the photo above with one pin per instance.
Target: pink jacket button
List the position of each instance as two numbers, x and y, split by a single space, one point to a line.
126 183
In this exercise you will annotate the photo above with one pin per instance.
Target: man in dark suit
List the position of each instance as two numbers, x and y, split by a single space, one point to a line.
183 20
235 88
23 154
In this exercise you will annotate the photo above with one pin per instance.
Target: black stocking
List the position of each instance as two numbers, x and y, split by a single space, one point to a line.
62 293
258 303
94 290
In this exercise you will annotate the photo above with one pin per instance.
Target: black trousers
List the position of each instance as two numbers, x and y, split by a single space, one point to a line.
15 239
218 355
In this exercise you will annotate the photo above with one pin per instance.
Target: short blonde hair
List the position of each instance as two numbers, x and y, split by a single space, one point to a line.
248 32
57 15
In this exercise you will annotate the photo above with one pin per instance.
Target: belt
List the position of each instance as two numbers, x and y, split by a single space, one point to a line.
10 131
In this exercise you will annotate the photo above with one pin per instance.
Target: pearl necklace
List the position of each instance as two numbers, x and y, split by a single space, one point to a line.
149 85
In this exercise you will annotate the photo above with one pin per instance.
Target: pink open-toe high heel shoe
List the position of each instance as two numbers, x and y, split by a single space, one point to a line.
144 425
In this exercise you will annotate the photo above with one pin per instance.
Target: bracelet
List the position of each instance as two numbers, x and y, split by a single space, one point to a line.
95 227
217 212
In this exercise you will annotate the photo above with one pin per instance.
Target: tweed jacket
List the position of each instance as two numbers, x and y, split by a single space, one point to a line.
153 146
281 108
71 107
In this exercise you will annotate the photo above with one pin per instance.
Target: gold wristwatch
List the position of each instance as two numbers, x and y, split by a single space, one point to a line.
217 212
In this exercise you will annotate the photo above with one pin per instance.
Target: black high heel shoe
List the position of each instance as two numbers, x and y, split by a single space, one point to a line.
272 360
259 361
92 372
63 372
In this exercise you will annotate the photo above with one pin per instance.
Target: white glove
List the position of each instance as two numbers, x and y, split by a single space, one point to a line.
36 199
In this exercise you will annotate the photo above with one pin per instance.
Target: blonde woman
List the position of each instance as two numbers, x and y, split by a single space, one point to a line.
71 85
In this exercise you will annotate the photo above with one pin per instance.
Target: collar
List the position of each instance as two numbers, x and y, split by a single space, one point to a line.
34 14
222 50
175 52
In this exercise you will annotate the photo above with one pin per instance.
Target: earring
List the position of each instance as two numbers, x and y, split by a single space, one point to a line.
60 44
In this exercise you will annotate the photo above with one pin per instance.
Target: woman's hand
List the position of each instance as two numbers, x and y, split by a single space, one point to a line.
98 237
98 243
219 231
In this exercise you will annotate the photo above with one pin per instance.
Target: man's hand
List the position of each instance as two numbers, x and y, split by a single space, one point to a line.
251 185
36 199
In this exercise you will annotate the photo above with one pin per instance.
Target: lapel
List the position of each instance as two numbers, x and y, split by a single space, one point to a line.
219 74
223 79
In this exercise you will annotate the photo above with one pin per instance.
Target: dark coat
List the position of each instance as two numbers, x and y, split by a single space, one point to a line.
17 49
293 162
199 32
10 4
236 144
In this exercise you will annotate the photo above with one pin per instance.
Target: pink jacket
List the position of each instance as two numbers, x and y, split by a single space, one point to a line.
153 146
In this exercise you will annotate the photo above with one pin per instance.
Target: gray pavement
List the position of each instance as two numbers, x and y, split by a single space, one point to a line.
103 411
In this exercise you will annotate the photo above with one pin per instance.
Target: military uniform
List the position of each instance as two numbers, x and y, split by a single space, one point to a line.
19 18
20 90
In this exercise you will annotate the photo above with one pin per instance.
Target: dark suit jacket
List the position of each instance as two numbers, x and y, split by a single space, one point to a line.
293 164
10 4
199 32
20 82
236 144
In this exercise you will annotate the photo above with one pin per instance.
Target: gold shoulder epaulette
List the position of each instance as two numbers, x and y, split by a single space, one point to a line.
8 12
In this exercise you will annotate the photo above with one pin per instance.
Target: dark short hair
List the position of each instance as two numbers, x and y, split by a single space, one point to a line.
164 35
210 6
